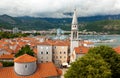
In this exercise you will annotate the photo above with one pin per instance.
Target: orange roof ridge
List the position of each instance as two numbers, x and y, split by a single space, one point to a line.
25 58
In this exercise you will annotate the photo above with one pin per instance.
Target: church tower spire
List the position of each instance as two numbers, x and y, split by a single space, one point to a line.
74 27
74 20
74 33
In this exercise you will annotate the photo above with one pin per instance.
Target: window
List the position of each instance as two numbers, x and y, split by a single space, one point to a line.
64 52
60 52
75 26
46 47
54 46
46 52
64 56
25 66
60 56
53 52
41 52
41 47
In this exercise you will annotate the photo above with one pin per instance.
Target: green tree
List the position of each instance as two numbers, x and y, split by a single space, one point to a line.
89 66
25 50
110 56
7 64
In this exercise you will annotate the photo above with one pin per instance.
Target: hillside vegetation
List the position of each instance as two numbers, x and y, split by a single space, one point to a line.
111 26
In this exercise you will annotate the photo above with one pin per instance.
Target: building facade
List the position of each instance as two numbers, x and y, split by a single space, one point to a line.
60 53
44 52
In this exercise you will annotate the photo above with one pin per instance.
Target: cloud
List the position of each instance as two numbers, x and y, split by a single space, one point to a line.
58 8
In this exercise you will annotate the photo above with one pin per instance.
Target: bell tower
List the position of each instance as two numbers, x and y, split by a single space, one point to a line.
74 32
74 27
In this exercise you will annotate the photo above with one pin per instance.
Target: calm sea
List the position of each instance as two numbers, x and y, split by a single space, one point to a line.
116 39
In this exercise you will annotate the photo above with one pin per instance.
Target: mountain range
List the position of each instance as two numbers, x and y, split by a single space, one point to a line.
99 23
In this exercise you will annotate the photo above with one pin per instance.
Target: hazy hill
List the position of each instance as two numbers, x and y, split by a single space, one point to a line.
111 26
108 23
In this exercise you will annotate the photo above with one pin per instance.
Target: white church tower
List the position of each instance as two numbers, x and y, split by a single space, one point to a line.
74 33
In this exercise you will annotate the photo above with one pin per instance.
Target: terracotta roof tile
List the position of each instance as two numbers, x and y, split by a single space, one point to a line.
35 50
81 50
25 58
7 56
117 49
44 43
60 43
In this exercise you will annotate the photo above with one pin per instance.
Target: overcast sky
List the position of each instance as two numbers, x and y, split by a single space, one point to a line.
56 8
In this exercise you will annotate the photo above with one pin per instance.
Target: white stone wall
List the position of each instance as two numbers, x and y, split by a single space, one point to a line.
73 45
25 68
73 57
42 54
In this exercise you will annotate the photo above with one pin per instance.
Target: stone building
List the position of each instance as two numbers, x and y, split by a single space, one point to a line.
60 52
25 65
44 53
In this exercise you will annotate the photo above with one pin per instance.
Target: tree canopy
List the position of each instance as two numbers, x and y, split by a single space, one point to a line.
99 62
110 56
89 66
25 50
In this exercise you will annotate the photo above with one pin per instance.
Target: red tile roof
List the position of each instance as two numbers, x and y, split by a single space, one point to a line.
44 43
117 49
61 43
81 50
35 50
44 70
25 58
7 56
